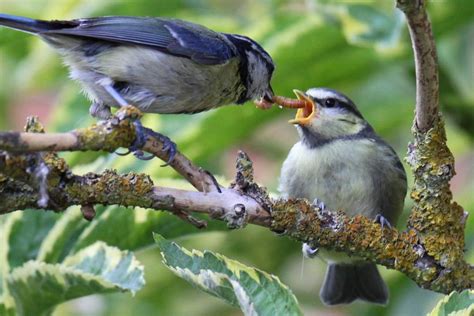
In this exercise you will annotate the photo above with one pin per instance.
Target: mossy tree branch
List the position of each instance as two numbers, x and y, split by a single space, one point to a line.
244 202
430 251
109 136
437 219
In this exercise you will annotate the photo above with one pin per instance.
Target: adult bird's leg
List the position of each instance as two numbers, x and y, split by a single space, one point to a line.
142 133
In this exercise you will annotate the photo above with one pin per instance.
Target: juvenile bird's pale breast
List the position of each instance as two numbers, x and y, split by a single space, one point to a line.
343 174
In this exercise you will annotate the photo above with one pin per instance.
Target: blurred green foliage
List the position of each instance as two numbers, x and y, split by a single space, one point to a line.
455 304
361 48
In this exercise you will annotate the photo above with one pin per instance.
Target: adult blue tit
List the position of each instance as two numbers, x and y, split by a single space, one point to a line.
341 161
159 65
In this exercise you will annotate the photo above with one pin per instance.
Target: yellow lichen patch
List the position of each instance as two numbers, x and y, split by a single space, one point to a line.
438 222
109 135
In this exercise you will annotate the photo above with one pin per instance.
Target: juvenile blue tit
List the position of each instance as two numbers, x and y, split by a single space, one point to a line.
159 65
341 161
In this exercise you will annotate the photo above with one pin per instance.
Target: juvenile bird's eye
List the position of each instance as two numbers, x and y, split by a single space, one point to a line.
330 102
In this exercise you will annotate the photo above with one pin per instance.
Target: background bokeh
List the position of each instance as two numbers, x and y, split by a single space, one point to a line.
359 47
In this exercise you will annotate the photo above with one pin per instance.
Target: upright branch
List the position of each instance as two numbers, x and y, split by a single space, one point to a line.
438 221
426 62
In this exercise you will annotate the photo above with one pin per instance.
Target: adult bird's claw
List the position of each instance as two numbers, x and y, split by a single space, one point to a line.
382 221
141 135
123 154
169 147
214 181
141 155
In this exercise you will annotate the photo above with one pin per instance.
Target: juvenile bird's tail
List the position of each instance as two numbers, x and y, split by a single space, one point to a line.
345 283
31 25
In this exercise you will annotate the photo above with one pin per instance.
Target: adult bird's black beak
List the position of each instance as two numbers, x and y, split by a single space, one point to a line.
268 96
266 101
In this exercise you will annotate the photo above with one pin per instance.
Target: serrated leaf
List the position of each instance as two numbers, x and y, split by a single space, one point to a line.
455 304
37 286
254 291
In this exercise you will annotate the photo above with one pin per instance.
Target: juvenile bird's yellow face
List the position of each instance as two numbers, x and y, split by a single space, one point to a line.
327 115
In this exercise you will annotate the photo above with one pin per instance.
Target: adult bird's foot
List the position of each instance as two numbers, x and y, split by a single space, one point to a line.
382 221
142 133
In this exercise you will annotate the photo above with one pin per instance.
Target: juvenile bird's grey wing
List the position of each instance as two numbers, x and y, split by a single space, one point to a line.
174 37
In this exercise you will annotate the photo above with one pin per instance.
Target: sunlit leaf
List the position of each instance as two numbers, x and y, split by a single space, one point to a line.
455 304
22 236
254 291
37 287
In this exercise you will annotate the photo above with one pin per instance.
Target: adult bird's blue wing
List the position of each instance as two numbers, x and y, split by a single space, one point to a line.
171 36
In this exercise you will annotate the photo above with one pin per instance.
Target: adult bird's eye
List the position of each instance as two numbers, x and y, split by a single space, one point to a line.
330 102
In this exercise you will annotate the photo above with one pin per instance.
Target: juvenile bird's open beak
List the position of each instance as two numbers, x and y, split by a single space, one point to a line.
305 114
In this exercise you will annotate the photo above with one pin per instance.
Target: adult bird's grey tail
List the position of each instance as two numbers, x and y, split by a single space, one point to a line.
30 25
345 283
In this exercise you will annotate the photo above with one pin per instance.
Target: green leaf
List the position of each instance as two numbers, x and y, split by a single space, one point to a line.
5 308
455 304
22 236
456 58
254 291
37 287
378 25
135 228
63 236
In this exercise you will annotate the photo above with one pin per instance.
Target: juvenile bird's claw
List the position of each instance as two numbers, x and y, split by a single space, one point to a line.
382 221
308 251
320 204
